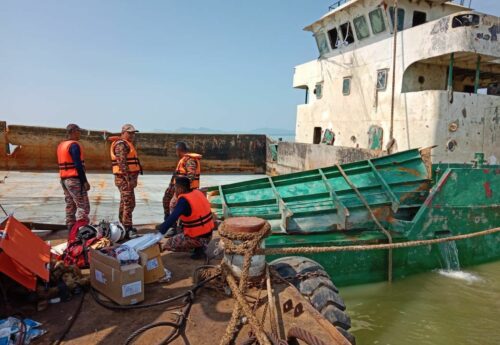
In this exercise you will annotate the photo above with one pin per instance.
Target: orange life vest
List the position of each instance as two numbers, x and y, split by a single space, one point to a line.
200 222
182 171
67 167
133 163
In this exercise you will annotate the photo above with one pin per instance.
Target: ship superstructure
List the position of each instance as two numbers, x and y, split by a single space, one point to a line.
446 59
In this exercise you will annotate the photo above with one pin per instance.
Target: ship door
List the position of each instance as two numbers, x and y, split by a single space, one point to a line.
317 135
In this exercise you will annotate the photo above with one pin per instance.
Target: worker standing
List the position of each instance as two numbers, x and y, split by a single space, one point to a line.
196 220
188 166
74 182
126 168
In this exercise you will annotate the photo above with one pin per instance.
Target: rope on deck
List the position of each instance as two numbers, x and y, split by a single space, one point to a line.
245 244
385 246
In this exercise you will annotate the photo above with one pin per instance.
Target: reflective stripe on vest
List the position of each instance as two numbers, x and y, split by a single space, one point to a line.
133 162
182 171
65 162
200 222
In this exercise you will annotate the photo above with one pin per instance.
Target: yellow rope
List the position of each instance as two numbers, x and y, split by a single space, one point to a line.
311 250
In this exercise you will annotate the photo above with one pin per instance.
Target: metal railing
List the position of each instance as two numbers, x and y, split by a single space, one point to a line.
341 2
462 2
337 4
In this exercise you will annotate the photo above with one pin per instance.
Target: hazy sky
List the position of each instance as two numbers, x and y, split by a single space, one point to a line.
224 64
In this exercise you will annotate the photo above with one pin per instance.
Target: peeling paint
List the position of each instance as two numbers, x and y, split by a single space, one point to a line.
441 26
487 189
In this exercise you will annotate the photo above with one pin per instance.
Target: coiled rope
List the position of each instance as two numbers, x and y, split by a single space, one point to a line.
247 246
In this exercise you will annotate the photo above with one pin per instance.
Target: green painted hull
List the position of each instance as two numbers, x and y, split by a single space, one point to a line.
460 199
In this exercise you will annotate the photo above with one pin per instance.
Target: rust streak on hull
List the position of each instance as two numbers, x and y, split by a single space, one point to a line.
35 149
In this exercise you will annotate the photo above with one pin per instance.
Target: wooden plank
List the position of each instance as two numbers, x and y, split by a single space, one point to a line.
390 194
342 210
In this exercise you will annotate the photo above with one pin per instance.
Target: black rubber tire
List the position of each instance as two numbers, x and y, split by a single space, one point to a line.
319 291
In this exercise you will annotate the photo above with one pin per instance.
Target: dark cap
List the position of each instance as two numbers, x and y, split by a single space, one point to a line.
183 181
72 127
181 145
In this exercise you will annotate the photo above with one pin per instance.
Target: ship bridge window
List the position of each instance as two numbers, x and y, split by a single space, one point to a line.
361 27
346 86
419 18
465 20
377 21
347 33
318 90
322 43
382 79
333 35
401 17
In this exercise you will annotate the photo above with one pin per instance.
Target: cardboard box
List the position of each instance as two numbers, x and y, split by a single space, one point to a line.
153 265
121 284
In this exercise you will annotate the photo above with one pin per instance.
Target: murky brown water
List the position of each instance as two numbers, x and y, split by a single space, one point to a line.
431 308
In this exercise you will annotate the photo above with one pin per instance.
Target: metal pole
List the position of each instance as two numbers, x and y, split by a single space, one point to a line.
476 81
395 27
450 78
450 72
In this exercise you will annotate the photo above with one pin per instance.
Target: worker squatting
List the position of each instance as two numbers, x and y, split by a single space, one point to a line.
188 221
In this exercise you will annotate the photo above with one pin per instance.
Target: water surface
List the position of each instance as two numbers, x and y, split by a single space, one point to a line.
440 307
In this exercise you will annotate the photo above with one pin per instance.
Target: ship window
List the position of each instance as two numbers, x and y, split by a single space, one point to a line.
493 89
419 18
465 20
346 86
347 34
377 21
333 35
401 17
318 90
322 43
382 79
361 27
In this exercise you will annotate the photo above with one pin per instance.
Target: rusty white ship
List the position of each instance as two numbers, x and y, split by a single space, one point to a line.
432 79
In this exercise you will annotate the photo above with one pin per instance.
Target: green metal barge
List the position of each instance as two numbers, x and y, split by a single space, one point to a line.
410 197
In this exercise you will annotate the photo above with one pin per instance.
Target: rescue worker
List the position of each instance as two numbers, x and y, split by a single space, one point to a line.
74 182
189 166
126 168
196 221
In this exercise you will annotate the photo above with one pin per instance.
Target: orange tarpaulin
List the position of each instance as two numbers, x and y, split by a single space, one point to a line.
23 255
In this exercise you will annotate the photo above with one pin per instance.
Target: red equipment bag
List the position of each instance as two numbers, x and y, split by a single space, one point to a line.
77 251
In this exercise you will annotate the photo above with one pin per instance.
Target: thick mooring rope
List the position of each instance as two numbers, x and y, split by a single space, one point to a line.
374 218
249 243
385 246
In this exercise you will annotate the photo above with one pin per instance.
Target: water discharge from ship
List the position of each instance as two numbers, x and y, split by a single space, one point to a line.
450 264
449 256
